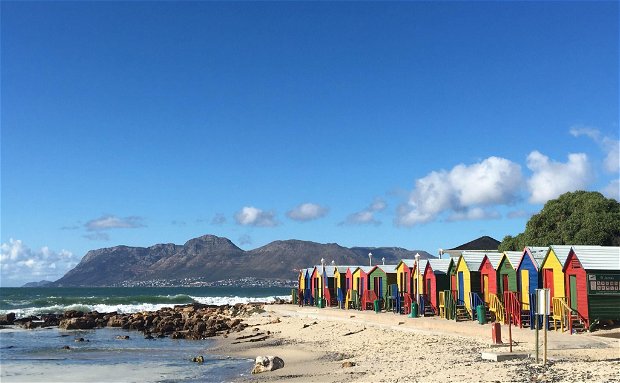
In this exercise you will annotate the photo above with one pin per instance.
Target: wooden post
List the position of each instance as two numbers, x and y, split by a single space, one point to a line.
510 331
545 331
536 318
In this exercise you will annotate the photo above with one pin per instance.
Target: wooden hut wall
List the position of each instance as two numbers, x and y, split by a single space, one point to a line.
488 279
529 278
403 278
349 279
576 282
437 281
553 276
604 306
506 275
377 280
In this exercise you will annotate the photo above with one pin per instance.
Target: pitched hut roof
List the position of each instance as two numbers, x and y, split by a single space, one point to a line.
514 257
598 257
388 269
440 266
473 259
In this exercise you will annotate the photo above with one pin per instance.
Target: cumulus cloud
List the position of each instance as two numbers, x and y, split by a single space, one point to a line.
218 219
612 190
251 216
550 179
307 212
108 222
366 216
464 191
610 146
474 214
20 264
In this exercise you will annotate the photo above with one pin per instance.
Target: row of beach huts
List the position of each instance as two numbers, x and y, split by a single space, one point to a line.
583 283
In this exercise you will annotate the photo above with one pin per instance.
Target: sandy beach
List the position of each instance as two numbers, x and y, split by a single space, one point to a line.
315 343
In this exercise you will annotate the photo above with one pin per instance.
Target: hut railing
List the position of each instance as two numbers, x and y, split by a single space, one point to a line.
450 304
561 313
513 308
352 300
407 301
392 299
442 304
368 299
496 306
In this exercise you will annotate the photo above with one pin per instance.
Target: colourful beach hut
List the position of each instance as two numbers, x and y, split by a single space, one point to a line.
362 286
507 271
329 285
552 273
342 284
488 276
467 280
436 279
592 280
404 271
418 277
380 278
529 276
316 285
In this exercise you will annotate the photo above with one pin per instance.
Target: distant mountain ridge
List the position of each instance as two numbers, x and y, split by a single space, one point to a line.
215 258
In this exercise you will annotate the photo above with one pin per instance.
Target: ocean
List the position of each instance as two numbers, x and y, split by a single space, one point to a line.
41 354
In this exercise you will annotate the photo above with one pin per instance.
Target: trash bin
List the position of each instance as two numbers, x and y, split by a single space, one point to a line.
481 314
320 302
294 295
376 304
414 310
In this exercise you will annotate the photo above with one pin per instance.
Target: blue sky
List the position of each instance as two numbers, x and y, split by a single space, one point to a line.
411 124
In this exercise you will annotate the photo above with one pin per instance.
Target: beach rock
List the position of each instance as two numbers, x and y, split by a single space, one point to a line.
73 314
79 340
66 348
348 364
267 363
7 319
122 337
199 359
77 324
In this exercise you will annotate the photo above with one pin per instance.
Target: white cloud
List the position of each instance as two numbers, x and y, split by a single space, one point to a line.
366 216
20 264
610 146
107 222
251 216
307 212
612 190
474 214
550 179
462 190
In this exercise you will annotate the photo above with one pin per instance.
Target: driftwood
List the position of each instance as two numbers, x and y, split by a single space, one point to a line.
354 332
253 340
250 336
308 325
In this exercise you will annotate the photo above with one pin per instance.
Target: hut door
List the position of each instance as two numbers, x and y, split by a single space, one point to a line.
485 288
428 289
525 286
548 281
572 281
504 283
461 286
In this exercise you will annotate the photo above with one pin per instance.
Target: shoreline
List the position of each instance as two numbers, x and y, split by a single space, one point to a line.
315 343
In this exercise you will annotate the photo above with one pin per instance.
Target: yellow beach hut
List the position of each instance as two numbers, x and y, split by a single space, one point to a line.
468 278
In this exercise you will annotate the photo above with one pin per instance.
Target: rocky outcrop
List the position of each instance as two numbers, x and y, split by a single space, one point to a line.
194 321
7 319
267 363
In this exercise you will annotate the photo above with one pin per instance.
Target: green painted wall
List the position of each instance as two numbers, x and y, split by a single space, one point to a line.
506 269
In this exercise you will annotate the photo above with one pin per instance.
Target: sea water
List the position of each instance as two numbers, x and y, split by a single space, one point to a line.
144 360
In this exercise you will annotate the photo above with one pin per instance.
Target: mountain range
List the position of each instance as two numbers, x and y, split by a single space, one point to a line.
213 258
